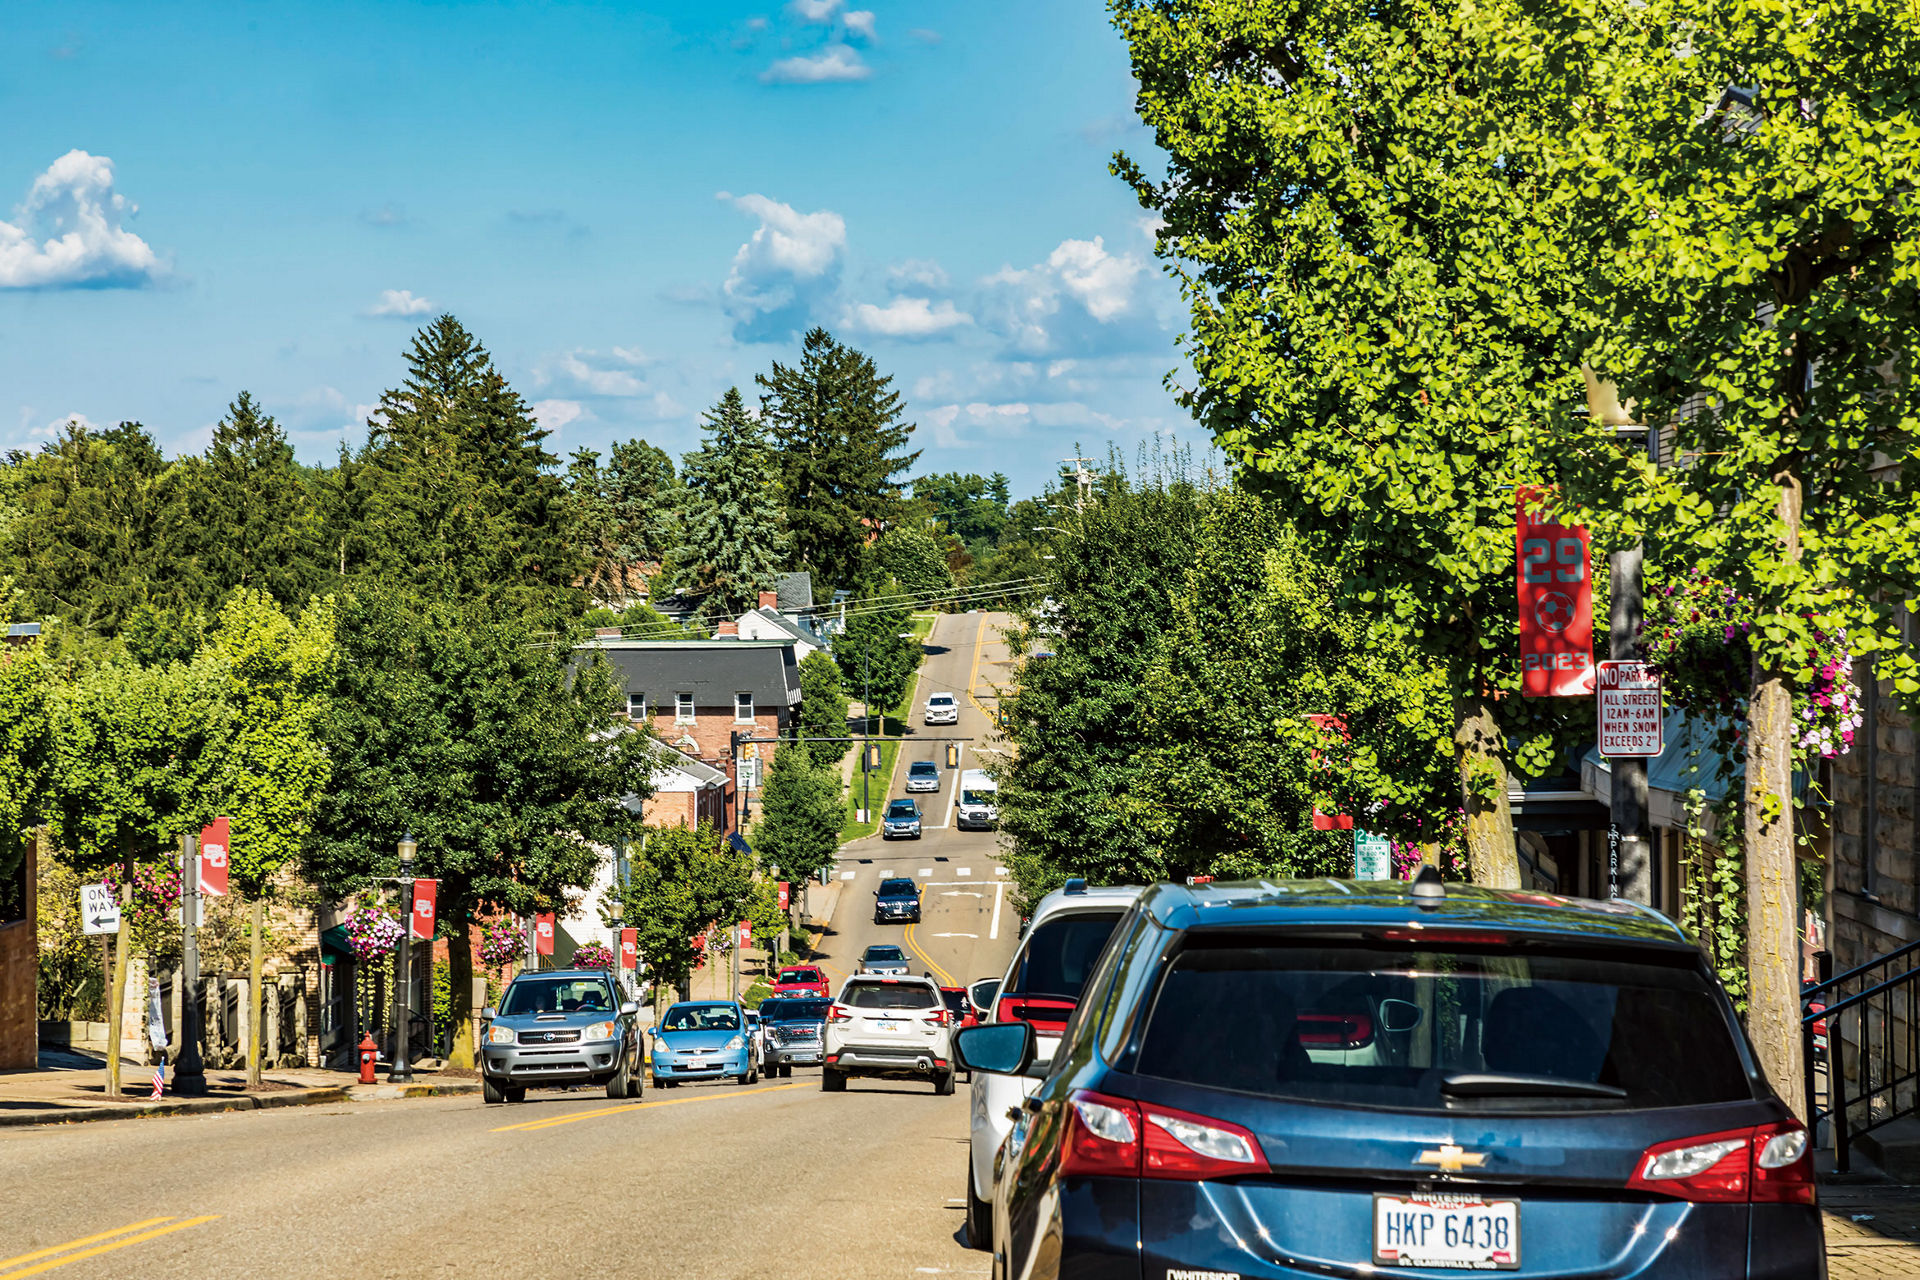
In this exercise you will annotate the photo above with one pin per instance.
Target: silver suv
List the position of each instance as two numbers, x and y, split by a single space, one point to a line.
567 1026
895 1027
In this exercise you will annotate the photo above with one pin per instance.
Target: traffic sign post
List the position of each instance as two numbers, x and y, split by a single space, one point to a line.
99 913
1372 856
1631 716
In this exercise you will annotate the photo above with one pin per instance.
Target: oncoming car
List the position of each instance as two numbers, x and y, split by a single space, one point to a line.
923 775
901 821
560 1027
942 709
705 1040
883 957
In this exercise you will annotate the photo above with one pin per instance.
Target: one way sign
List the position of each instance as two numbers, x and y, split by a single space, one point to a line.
99 913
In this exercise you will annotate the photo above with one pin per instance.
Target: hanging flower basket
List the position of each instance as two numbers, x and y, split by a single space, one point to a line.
373 932
593 955
502 942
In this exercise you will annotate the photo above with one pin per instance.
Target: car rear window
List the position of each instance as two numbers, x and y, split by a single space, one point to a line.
1059 955
891 995
1442 1029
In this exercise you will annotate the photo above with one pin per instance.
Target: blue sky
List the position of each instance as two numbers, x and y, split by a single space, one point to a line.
632 205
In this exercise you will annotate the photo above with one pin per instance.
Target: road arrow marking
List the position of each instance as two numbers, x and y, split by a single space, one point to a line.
956 935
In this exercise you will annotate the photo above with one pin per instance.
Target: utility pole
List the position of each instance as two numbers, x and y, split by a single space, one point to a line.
1083 482
117 988
189 1069
402 1068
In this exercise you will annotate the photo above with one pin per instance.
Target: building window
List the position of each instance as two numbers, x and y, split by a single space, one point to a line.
743 708
683 708
636 706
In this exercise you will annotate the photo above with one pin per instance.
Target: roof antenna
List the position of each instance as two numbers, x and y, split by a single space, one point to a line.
1428 890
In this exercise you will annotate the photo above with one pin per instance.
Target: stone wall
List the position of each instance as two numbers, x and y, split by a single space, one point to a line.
20 979
1872 902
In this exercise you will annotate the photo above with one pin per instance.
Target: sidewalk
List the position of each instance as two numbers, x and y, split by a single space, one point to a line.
1873 1227
71 1087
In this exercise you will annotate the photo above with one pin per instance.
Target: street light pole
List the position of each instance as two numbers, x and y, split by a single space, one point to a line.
866 734
189 1069
402 1070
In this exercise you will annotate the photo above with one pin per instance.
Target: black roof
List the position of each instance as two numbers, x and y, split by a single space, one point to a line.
711 670
794 592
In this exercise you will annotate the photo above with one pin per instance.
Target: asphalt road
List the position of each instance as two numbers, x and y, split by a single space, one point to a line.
775 1180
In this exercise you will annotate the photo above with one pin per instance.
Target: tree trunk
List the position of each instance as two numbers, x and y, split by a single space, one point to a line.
1773 941
253 995
1480 750
460 992
117 992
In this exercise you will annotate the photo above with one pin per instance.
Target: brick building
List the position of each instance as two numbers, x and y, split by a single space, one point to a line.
19 954
1871 900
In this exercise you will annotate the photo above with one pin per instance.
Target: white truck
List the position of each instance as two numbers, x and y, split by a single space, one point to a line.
977 808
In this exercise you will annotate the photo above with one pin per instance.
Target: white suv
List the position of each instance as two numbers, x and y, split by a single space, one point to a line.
1043 985
942 709
888 1025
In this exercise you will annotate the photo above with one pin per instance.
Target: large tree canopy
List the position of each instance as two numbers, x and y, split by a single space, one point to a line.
734 544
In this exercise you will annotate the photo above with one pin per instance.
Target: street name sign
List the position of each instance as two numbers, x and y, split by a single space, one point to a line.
1372 856
99 913
1632 722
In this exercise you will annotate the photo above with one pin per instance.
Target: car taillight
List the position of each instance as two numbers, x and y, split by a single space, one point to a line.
1769 1164
938 1017
1102 1138
1117 1137
1049 1017
839 1013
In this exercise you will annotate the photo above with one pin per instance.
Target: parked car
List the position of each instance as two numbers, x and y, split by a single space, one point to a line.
883 957
1041 986
704 1040
1304 1079
978 806
942 709
802 980
901 821
566 1026
791 1033
891 1027
923 775
897 898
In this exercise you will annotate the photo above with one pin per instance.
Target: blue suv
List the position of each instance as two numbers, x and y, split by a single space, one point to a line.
1330 1078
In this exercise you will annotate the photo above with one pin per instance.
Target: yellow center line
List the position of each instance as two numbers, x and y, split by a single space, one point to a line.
75 1244
104 1248
973 677
913 945
554 1122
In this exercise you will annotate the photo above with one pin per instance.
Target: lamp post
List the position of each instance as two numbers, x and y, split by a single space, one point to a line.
619 950
402 1071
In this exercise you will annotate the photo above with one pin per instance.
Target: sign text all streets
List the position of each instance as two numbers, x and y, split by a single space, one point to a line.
1631 719
99 911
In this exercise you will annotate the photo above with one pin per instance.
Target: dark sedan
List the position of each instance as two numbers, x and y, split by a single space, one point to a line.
1322 1079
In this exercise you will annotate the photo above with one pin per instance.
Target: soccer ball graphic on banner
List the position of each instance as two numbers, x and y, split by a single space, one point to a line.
1554 611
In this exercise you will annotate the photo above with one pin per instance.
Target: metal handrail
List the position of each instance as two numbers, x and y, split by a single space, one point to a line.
1875 1077
1820 988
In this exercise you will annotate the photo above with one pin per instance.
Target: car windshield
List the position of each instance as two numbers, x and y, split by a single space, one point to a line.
903 809
885 953
893 888
701 1017
890 995
1060 953
556 995
795 1010
970 796
1499 1027
939 700
923 769
800 975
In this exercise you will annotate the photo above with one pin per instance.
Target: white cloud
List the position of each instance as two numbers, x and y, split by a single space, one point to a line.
1081 298
612 374
924 272
1102 282
787 268
399 302
860 22
837 63
74 206
583 372
555 414
908 318
816 10
58 427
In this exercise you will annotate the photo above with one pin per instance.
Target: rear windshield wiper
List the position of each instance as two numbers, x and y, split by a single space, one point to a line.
1487 1084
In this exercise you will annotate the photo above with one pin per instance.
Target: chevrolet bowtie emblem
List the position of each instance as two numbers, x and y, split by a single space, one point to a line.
1451 1159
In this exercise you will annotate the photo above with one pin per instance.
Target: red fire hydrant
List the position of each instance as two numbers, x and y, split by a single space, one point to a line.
369 1053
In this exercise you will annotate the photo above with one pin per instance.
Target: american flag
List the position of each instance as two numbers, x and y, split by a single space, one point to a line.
159 1078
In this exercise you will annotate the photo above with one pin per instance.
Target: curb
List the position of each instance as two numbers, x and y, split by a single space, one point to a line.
242 1102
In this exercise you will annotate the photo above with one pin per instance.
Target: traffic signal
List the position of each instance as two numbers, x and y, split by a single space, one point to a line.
953 755
873 756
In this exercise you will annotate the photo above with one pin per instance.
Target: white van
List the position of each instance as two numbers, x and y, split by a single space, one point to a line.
976 810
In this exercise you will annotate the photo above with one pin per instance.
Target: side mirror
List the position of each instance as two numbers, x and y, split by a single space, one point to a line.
998 1048
980 995
1400 1015
629 1009
489 1013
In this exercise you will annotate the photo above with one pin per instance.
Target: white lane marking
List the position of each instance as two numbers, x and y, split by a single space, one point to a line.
846 875
999 871
925 872
956 935
958 893
994 931
964 871
886 875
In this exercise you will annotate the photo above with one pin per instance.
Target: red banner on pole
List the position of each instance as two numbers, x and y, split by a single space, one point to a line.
1556 602
1336 728
783 895
213 858
746 933
425 896
543 934
699 941
629 948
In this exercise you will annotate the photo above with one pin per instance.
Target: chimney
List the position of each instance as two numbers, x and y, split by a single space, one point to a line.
727 628
606 633
769 599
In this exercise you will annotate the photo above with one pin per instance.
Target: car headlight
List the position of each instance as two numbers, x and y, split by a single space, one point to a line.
734 1043
598 1031
661 1049
499 1035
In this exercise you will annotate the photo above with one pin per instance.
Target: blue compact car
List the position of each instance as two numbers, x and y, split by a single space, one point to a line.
1324 1078
704 1040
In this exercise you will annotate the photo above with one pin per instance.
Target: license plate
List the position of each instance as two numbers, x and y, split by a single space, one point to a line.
1465 1233
888 1026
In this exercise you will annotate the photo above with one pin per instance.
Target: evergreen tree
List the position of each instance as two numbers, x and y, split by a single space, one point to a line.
800 814
838 432
970 507
460 500
621 517
734 543
823 708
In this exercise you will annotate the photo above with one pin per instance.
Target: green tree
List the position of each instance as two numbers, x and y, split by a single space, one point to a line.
1754 294
622 516
456 485
877 655
26 753
915 561
1377 290
683 880
837 428
499 756
972 508
734 543
823 708
800 814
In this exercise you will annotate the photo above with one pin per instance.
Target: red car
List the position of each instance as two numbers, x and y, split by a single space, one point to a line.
801 980
959 1008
